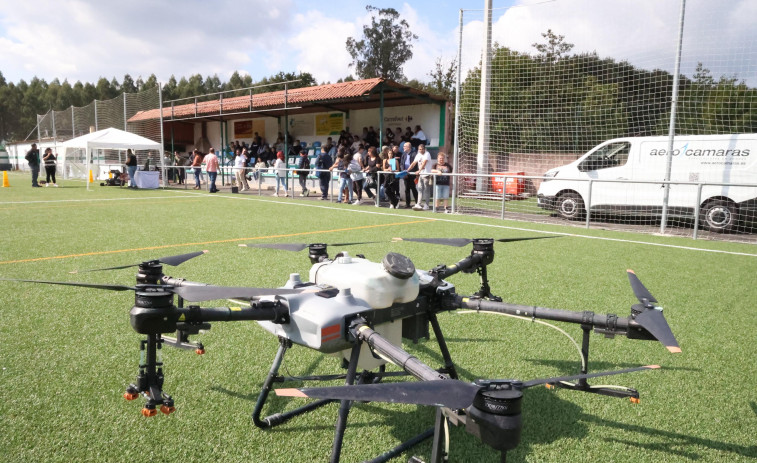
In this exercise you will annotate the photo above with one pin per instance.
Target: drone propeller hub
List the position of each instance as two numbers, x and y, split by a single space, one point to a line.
150 272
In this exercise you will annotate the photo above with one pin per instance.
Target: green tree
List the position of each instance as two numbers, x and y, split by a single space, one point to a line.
128 85
385 47
553 49
444 78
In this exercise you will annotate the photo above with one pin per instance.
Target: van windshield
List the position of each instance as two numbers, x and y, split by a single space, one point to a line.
612 155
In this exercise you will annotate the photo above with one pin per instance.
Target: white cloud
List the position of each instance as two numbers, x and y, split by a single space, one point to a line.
319 45
644 33
87 39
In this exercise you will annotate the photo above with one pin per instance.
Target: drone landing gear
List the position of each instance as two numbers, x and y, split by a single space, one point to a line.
584 386
273 376
150 378
351 377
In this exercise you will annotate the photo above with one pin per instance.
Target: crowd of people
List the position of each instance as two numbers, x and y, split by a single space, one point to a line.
362 166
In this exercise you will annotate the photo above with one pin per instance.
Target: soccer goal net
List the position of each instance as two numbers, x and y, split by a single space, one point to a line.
559 80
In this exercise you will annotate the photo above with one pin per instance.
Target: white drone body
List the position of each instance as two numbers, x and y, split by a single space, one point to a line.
364 286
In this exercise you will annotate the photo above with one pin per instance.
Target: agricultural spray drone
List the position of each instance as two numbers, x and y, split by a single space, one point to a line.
361 310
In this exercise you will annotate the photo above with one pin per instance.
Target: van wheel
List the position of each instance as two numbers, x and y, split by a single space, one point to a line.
570 206
719 216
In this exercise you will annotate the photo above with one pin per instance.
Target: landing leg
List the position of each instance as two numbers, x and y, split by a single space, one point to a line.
344 406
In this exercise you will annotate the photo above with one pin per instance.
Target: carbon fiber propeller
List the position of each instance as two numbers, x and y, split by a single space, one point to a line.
460 242
189 293
650 316
168 260
296 247
450 393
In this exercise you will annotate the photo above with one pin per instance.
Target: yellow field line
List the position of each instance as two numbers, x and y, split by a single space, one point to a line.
199 243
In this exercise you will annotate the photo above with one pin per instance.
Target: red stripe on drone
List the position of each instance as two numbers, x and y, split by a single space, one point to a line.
330 332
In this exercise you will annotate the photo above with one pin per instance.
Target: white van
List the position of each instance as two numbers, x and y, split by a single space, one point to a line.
700 159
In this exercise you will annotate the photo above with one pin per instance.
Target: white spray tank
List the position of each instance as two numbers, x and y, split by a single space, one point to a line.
380 285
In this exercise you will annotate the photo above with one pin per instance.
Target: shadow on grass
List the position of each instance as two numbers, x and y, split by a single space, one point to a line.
674 443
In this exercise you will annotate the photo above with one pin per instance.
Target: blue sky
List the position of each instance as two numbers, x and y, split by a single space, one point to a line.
88 39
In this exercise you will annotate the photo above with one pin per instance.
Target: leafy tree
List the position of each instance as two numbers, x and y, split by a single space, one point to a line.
151 82
444 78
304 79
170 89
554 49
128 85
385 47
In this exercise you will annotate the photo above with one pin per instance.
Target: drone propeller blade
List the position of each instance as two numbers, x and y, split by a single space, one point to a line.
296 247
557 379
168 260
654 321
457 242
73 283
449 393
639 290
353 244
511 240
460 242
180 259
650 317
211 293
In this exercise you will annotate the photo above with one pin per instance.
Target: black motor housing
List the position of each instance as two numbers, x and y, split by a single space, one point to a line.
495 418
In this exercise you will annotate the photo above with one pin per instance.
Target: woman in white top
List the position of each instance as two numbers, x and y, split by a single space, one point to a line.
239 169
280 168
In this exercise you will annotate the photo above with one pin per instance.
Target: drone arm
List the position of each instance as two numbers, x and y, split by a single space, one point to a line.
608 322
467 264
259 311
395 354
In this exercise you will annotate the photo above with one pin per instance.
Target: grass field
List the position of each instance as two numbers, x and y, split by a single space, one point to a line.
68 353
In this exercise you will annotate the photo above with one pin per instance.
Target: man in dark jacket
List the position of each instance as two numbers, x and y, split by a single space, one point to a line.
406 163
32 157
323 162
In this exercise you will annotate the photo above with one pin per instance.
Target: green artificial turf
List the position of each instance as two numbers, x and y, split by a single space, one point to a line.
68 353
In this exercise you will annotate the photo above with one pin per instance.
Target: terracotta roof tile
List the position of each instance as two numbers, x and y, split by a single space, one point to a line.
275 100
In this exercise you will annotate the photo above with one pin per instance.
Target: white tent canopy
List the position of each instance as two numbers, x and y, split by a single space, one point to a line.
112 139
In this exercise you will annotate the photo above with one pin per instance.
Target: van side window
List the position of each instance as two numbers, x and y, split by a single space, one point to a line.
612 155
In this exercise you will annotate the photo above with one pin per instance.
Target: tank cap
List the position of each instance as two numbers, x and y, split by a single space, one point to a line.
398 266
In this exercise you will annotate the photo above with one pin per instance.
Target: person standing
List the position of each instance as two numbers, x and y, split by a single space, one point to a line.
423 161
240 171
181 172
391 167
442 181
211 167
322 164
407 164
49 160
32 157
342 167
303 170
280 168
197 167
131 167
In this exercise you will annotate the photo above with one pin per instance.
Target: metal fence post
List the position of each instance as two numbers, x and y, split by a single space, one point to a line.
697 210
587 205
504 189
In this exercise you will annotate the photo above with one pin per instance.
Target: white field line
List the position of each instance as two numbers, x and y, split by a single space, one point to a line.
191 194
504 227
